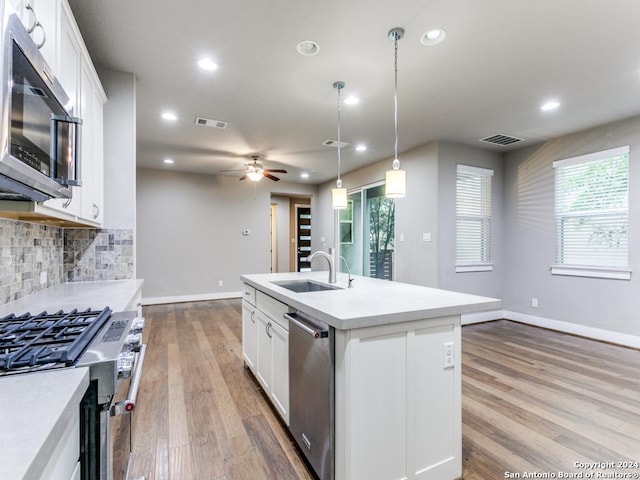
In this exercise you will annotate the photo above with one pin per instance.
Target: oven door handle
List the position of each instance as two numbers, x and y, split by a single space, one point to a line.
128 405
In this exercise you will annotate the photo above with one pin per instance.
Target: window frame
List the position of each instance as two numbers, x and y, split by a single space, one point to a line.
486 221
589 270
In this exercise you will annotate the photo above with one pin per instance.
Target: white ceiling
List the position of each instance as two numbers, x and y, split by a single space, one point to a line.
500 61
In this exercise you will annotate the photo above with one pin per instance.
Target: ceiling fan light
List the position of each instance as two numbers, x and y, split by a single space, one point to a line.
339 198
395 183
254 176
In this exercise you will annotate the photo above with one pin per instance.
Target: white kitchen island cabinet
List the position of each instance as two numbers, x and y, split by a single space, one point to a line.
398 412
265 346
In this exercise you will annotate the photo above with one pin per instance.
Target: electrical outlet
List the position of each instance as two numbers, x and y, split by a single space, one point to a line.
449 355
220 283
534 302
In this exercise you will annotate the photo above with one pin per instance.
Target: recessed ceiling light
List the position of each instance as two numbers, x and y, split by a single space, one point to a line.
551 105
304 175
433 36
169 161
351 100
361 148
308 48
169 116
207 64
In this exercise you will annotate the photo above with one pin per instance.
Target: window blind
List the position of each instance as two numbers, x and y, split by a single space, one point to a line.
473 215
592 220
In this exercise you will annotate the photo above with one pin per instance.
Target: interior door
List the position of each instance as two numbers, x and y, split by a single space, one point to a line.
303 238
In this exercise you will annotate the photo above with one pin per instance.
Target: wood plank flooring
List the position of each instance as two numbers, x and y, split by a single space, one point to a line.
533 400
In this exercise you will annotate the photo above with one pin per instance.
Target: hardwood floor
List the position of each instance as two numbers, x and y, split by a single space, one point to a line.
533 400
539 401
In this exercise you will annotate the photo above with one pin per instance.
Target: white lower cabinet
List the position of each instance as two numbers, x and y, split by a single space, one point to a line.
280 370
398 407
63 462
265 348
249 336
273 362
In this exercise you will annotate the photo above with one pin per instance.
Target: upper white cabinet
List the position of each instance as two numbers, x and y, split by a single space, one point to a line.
65 52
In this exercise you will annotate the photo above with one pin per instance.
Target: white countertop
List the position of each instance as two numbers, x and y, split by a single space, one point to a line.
34 411
371 301
115 294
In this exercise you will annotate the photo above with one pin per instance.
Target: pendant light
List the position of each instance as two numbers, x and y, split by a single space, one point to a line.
339 194
395 179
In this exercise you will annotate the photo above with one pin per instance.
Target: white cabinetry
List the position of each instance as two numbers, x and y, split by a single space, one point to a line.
398 410
80 81
64 460
249 336
65 52
265 346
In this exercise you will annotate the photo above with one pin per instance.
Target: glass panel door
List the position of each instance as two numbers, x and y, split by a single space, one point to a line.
381 216
367 233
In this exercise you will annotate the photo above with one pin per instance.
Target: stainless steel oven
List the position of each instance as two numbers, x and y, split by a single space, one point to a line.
110 345
40 136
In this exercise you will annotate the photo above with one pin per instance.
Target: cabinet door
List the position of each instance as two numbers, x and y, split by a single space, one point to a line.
249 336
263 366
68 73
280 370
97 180
46 11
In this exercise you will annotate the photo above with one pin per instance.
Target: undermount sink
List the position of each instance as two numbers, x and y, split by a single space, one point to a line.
303 286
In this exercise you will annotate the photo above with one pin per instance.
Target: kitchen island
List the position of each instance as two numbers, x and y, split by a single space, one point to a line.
397 389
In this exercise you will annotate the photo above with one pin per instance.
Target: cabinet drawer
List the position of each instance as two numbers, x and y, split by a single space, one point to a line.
272 308
249 294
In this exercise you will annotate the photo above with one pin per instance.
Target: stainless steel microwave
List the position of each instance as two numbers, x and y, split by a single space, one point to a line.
40 137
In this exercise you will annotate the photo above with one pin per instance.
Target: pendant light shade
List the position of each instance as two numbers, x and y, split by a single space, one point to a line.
395 182
339 194
395 179
339 198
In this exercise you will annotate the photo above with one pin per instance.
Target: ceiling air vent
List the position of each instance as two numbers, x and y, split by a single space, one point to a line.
334 143
207 122
500 139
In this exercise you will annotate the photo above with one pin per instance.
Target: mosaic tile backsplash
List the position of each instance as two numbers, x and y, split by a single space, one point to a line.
31 258
91 255
36 256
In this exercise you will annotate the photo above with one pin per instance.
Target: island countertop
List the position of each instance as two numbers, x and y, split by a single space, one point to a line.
371 301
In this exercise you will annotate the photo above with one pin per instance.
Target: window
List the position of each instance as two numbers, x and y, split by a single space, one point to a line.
592 219
473 219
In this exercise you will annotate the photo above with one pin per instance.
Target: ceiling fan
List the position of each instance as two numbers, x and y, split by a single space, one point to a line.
254 171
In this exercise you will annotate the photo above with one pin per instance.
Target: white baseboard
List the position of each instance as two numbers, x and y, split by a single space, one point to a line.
618 338
479 317
190 298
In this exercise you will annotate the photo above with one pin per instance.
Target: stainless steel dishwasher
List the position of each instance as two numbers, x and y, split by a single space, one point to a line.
311 390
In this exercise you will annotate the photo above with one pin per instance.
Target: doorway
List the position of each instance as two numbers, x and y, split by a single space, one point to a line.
273 233
367 232
302 237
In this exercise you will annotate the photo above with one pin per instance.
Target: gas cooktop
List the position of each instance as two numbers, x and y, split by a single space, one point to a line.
47 340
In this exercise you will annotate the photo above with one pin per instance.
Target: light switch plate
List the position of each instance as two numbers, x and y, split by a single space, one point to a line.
448 355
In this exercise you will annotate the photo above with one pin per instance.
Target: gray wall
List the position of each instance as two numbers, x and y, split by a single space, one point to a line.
429 207
530 236
190 231
479 283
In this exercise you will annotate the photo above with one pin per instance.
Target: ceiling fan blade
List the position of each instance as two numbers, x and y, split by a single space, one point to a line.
227 171
271 177
242 177
274 171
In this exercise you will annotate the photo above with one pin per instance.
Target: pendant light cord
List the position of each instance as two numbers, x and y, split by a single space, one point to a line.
395 98
339 182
